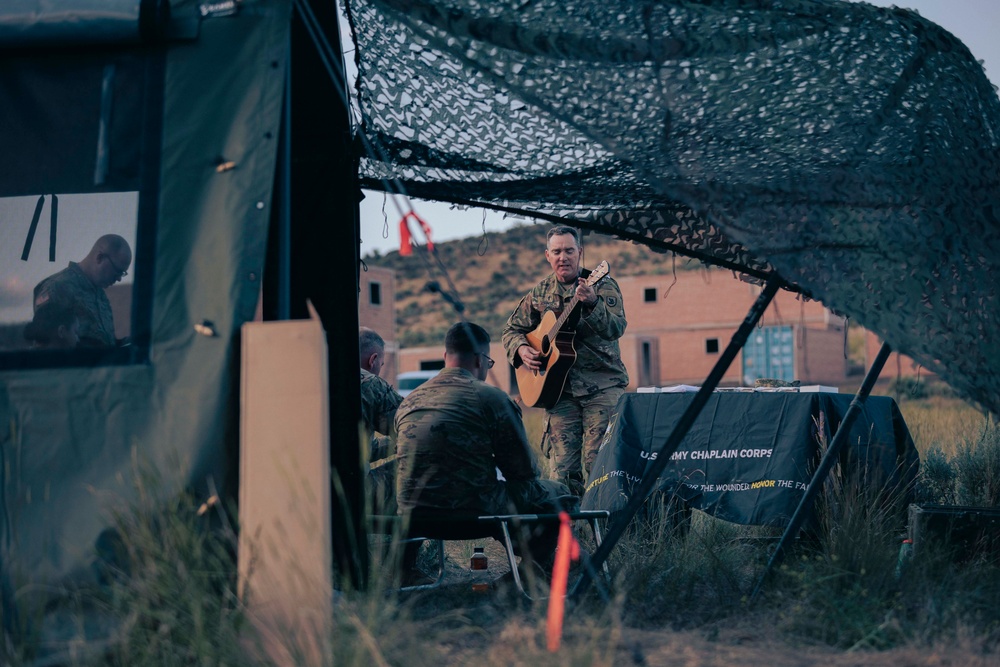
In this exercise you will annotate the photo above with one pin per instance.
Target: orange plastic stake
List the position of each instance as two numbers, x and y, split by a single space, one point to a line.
568 548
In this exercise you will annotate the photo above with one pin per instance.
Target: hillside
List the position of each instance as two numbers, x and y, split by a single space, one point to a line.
491 274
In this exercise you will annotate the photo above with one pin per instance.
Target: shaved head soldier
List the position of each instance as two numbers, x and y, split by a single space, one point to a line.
80 287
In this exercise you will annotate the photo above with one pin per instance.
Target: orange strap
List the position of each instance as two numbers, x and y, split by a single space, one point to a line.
406 238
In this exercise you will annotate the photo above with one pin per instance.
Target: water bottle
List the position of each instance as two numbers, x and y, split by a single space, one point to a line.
479 560
479 566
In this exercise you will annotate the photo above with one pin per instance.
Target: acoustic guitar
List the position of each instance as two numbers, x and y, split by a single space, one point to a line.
542 388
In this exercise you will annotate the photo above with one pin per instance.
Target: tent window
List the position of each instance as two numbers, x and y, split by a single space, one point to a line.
77 215
31 252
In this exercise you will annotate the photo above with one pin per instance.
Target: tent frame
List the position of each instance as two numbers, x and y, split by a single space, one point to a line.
830 457
684 424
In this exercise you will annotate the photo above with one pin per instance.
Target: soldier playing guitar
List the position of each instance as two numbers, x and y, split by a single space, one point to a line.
570 364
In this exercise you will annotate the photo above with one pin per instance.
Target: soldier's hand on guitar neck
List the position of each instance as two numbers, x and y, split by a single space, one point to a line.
585 293
530 357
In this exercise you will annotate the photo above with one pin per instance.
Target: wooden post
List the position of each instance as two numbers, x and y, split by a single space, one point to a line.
285 547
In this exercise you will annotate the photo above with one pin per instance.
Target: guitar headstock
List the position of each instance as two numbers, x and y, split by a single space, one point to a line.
599 273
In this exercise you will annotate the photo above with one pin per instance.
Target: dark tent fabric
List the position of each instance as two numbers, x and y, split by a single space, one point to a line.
76 442
850 151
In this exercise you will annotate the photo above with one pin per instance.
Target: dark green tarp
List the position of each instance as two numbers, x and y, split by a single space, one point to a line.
72 439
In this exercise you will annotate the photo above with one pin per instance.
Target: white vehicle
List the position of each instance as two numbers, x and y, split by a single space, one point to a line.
410 380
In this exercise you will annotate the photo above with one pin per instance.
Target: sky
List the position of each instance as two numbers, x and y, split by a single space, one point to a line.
975 22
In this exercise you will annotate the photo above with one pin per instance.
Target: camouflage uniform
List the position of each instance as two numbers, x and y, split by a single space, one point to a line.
575 426
379 402
456 435
378 413
71 288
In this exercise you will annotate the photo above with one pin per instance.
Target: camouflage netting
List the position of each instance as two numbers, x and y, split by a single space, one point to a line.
850 151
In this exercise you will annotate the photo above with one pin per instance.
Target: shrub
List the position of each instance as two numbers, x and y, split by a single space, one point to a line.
915 388
936 481
977 469
684 577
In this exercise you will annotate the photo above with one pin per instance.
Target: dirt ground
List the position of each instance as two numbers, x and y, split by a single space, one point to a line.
515 638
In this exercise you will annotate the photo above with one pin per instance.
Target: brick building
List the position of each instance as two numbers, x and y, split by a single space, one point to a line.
897 365
680 325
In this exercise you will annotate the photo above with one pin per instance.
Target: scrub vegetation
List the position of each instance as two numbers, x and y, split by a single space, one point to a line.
680 591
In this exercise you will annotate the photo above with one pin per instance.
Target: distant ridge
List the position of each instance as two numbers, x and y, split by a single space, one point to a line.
492 273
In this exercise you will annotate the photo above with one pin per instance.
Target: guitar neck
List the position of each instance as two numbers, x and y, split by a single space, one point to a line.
557 327
599 273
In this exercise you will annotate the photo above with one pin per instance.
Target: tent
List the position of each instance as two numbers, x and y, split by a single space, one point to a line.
175 124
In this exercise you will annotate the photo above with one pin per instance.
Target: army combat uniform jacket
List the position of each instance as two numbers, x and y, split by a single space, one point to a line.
454 433
379 402
72 289
598 363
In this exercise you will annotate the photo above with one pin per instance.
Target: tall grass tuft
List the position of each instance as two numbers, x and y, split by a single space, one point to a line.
170 582
682 571
839 586
977 469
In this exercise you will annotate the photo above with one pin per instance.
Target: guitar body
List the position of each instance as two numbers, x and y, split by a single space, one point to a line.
542 389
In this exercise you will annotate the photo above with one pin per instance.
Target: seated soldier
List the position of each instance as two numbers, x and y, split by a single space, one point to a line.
378 413
81 287
462 449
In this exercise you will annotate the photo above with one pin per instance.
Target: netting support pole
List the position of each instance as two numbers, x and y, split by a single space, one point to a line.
652 474
830 457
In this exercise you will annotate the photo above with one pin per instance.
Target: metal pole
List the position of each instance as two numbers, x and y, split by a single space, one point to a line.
284 307
652 476
831 456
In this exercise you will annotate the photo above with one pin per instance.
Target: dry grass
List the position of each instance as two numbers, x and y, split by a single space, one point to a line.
941 422
678 597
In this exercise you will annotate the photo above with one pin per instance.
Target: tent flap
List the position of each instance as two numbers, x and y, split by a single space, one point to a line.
40 23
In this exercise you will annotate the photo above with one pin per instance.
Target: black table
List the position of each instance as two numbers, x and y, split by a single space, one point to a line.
750 455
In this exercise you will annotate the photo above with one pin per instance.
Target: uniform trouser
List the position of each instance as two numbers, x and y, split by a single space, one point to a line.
574 429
